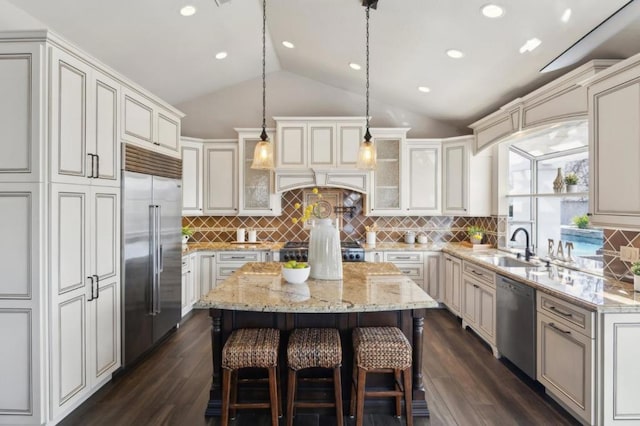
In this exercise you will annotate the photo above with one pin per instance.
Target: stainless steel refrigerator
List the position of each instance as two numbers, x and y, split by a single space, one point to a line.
151 227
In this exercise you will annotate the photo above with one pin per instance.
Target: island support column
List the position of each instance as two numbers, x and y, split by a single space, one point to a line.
214 407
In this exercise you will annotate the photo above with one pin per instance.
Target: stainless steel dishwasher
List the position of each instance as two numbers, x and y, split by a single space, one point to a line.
516 324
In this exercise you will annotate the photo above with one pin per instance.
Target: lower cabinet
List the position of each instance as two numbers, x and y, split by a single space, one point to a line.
620 375
206 274
410 263
452 283
433 284
565 355
423 267
190 284
478 305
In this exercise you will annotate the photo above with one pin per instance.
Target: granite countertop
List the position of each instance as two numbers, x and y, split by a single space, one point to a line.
366 287
586 290
260 246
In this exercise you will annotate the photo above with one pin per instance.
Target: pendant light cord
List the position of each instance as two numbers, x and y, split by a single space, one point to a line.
263 136
367 135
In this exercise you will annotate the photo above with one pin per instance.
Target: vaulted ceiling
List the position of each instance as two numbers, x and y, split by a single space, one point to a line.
173 56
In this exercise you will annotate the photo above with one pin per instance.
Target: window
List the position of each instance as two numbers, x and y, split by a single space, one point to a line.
533 166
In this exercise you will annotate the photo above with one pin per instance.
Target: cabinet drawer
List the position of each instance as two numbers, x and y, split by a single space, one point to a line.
578 319
415 272
226 270
479 273
396 257
235 256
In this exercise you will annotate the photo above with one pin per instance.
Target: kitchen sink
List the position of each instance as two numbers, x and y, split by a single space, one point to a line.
507 262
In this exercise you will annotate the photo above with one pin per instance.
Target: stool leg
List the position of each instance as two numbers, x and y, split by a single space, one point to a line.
337 386
279 392
362 383
396 377
273 395
291 394
234 392
352 399
226 385
408 397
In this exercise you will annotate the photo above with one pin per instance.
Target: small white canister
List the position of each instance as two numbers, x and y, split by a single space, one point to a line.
240 235
422 239
371 238
252 235
410 237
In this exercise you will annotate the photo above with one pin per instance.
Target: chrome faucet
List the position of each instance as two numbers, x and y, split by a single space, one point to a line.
527 253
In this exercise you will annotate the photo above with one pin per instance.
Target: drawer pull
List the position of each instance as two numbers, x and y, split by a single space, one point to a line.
555 327
566 314
406 272
402 257
236 257
475 286
477 273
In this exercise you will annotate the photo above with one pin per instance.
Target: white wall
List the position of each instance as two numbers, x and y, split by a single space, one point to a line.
216 114
13 18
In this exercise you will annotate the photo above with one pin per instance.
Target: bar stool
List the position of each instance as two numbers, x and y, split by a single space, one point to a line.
381 350
250 348
314 348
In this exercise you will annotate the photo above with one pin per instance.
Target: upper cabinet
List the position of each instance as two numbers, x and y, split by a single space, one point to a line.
84 123
256 195
318 143
564 99
614 143
148 124
220 178
422 168
386 196
192 177
466 179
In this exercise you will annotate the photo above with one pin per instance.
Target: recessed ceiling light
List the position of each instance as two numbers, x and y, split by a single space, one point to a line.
355 66
566 15
455 54
530 45
424 89
221 55
288 44
188 11
492 11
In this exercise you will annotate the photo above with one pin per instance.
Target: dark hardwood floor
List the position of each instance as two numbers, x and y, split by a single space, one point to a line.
465 385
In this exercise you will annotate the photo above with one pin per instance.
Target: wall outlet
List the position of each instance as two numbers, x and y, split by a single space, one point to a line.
628 254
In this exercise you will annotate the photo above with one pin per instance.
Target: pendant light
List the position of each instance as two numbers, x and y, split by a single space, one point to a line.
263 154
367 151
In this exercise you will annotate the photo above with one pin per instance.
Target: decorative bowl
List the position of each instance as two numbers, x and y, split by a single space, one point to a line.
296 275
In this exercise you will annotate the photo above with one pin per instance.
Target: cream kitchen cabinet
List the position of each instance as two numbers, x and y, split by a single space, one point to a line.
422 167
466 180
206 272
478 302
192 177
84 122
410 264
433 283
614 132
190 284
452 297
256 195
566 354
220 178
60 293
85 291
148 124
318 142
386 197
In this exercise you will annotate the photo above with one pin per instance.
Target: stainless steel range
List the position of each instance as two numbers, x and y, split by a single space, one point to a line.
298 250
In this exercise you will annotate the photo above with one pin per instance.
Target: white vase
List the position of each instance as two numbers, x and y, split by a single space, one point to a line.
325 257
636 282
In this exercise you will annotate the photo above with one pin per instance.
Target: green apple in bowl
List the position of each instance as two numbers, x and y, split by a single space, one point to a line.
295 272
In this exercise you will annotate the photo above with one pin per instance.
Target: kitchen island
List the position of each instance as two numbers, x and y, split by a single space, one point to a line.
370 294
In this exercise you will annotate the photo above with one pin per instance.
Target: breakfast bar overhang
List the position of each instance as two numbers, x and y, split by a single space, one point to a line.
370 294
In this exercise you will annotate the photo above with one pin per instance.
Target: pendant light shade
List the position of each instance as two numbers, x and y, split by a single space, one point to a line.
367 152
263 154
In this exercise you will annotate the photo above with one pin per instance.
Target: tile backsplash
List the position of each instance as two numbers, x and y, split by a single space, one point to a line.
389 229
613 240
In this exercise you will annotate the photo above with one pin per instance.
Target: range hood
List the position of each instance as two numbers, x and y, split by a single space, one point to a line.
352 179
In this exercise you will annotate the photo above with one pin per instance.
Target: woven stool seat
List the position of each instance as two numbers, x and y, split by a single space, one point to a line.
251 347
381 347
314 347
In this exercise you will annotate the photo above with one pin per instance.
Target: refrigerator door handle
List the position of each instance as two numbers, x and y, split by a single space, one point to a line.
152 255
158 258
